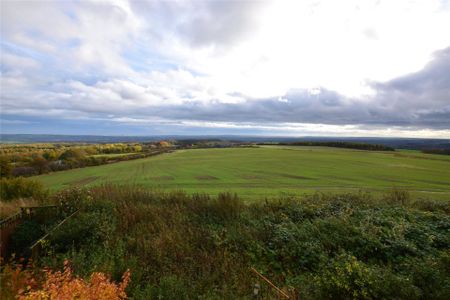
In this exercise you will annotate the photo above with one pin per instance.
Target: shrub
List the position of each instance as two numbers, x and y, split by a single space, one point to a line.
72 154
26 233
72 199
16 277
27 284
88 228
24 171
348 278
15 188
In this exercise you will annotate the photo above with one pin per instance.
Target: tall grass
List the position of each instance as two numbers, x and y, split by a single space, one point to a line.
8 208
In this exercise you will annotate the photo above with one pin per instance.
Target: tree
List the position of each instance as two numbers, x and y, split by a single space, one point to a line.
75 154
137 148
91 150
40 164
163 144
50 155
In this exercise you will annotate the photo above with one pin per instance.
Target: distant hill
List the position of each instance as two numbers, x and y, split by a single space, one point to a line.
399 143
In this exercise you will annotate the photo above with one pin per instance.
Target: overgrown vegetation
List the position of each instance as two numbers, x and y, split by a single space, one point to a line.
318 247
19 188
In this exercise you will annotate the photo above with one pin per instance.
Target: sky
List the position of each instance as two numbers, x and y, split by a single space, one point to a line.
278 68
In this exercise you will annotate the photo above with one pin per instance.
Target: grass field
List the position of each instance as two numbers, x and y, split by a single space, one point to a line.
271 171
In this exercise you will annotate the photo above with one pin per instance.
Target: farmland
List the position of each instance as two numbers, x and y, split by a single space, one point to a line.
270 171
203 241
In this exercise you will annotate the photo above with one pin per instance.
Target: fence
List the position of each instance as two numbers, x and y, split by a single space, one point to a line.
36 248
9 225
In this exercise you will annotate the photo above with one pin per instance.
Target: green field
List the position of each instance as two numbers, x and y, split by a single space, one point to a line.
271 171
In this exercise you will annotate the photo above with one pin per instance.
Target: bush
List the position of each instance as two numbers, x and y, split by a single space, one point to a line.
73 199
26 233
88 228
28 284
24 171
15 188
346 277
72 154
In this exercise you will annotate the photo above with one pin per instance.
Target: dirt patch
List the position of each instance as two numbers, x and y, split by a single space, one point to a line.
285 175
162 178
81 182
206 177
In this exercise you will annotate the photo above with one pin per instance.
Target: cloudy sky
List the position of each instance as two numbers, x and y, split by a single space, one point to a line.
348 68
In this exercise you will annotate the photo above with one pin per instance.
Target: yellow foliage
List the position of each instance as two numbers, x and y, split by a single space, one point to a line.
164 144
64 285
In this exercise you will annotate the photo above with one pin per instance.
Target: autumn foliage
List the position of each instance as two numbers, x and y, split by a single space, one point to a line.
23 283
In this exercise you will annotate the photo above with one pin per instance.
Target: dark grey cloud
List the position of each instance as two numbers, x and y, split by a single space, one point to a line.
298 106
434 77
419 99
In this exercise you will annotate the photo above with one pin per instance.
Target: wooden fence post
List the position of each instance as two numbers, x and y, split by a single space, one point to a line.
280 292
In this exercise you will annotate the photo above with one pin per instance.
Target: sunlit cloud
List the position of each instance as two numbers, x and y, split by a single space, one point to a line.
275 67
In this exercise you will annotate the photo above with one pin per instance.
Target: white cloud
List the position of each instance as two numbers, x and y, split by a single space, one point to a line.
136 58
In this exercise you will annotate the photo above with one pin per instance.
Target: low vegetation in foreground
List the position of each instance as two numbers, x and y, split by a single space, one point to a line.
180 246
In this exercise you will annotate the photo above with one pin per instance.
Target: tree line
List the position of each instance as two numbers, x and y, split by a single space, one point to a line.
349 145
29 160
437 151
